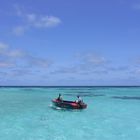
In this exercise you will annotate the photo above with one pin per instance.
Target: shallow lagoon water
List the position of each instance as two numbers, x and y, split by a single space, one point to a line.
113 113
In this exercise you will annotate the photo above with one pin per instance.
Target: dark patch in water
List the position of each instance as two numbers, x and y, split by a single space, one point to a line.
74 89
70 89
83 92
78 92
126 97
27 89
85 95
91 95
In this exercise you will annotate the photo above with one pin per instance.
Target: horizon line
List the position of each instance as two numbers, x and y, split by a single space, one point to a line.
70 86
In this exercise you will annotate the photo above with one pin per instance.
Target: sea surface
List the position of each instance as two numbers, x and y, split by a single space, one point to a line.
113 113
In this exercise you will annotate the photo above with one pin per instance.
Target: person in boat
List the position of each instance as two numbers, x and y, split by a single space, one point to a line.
79 100
60 97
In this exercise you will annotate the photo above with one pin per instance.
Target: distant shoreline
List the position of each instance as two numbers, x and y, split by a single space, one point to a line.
65 86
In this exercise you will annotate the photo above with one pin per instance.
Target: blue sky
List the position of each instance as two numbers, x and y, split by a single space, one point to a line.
76 42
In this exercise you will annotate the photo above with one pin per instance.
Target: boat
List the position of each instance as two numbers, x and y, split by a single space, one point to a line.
69 104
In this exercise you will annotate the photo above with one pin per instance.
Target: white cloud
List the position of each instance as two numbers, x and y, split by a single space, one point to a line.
3 47
5 64
15 53
42 21
31 17
138 71
88 63
34 21
18 10
7 52
39 62
92 59
12 57
47 21
19 30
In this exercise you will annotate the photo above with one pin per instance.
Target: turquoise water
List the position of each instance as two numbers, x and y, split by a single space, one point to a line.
113 113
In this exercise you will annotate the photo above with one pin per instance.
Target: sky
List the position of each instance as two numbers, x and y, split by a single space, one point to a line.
69 42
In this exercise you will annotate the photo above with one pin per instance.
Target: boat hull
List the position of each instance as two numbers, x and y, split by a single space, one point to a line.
69 104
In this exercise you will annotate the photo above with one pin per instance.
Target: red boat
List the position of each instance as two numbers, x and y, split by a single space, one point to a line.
69 104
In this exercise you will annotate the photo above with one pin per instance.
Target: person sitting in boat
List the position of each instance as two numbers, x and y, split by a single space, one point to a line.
79 100
60 97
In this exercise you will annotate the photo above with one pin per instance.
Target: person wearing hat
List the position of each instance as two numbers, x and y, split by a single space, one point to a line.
60 97
79 100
